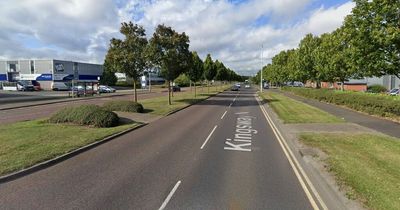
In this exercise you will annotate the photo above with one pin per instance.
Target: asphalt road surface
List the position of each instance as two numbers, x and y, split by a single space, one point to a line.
218 154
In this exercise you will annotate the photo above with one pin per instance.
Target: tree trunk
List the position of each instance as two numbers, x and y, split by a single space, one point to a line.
134 89
190 84
195 89
169 92
172 90
342 86
208 86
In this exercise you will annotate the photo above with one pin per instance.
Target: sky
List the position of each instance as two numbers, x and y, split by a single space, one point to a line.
243 34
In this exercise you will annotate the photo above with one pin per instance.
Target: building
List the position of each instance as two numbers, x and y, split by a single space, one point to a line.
49 71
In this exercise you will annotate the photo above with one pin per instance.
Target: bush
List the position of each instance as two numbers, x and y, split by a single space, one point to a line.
91 115
377 89
123 106
370 103
182 80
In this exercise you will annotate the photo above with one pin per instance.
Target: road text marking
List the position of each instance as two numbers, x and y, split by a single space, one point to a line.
164 204
243 133
209 136
224 115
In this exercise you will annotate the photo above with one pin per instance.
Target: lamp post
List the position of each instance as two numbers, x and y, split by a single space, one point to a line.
261 77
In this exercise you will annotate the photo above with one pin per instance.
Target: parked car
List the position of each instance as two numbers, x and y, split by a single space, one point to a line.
266 86
36 85
80 91
60 86
25 85
106 89
235 88
238 85
247 86
394 92
176 88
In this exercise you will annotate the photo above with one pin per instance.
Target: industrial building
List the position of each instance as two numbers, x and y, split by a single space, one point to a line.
50 71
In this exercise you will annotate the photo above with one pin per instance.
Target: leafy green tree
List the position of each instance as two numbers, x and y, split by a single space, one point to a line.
128 55
374 28
307 48
210 70
108 77
169 50
196 71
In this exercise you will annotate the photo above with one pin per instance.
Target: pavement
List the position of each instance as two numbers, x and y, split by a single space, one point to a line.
378 124
217 154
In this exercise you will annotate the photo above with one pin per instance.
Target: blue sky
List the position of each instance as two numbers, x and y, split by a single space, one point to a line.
233 31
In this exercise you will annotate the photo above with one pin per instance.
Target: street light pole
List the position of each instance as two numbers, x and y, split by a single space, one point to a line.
261 77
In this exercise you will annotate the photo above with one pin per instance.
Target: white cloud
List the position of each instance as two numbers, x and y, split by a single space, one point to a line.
81 30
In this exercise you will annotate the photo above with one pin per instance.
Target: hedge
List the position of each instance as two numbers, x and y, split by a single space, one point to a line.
375 104
91 115
123 106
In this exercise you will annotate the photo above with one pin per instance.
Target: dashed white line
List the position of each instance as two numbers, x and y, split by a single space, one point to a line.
209 136
224 115
164 204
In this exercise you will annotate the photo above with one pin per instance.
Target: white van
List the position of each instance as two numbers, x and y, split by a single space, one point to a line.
59 86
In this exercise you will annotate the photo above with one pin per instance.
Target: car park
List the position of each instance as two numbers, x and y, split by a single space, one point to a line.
106 89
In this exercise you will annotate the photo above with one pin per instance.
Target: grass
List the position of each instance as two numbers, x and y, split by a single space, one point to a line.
159 105
24 144
369 165
292 111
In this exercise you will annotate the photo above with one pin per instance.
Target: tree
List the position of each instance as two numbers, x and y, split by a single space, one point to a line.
170 51
374 28
108 77
307 48
128 55
196 71
209 70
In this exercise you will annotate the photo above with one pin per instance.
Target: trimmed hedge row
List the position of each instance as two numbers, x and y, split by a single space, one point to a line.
372 104
91 115
123 106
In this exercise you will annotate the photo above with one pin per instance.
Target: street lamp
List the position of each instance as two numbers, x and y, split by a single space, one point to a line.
261 77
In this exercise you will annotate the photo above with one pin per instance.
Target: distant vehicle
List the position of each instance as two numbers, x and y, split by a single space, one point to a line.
235 88
176 88
394 92
266 86
80 91
36 85
238 85
247 86
59 86
25 85
106 89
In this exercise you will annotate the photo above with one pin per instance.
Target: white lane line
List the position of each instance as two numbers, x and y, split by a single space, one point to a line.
224 115
209 136
230 105
164 204
295 164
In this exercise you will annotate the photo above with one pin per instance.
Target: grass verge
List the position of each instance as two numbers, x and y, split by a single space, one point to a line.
292 111
159 105
367 164
24 144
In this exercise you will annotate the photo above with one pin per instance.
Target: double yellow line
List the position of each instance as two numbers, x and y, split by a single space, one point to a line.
298 170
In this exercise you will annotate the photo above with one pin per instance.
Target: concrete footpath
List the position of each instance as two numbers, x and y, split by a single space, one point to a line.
381 125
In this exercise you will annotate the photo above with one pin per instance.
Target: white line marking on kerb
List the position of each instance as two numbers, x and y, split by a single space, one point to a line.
224 115
209 136
170 195
298 170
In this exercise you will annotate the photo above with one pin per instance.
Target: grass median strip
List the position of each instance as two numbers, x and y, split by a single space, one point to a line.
159 105
367 164
24 144
292 111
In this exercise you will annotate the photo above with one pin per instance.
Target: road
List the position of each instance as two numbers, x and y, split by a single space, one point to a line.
203 157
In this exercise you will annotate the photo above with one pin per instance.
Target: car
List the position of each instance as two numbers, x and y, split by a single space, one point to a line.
234 88
106 89
176 88
266 86
80 91
238 85
25 85
247 86
394 92
60 86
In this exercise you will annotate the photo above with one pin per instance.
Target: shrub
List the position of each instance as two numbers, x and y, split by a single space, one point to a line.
370 103
182 80
377 89
123 106
91 115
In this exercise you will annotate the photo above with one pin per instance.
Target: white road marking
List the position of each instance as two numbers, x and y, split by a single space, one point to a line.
224 115
295 164
209 136
164 204
230 104
241 113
